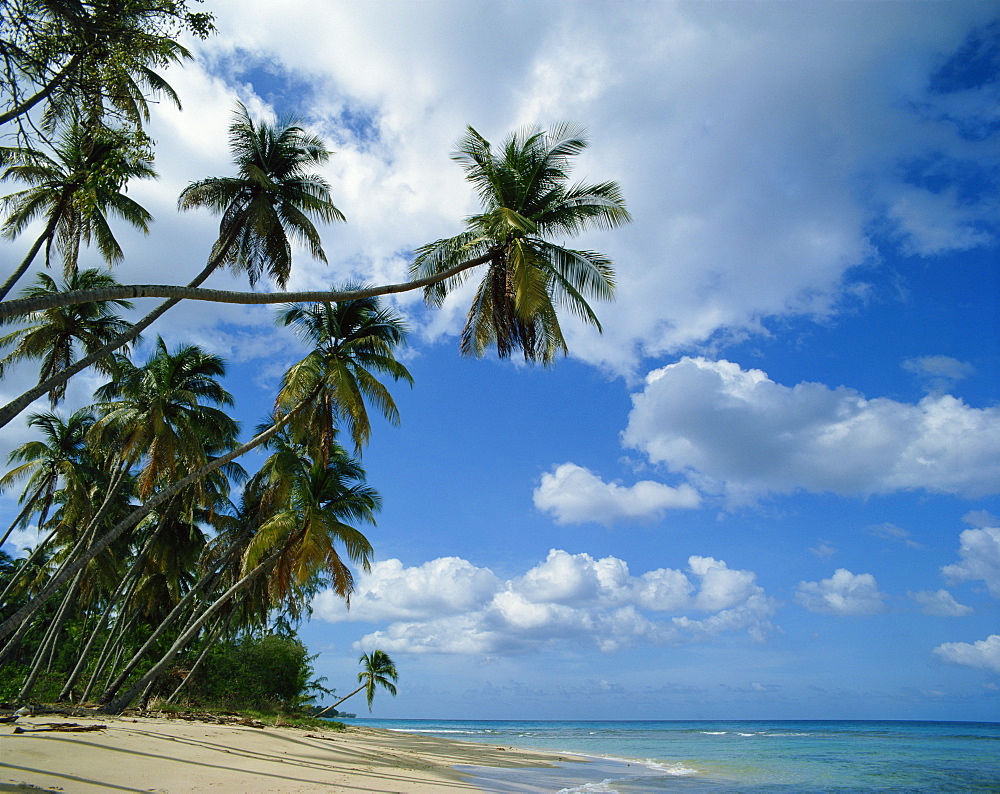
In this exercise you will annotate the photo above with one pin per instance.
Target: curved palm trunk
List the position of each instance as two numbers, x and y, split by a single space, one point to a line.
24 106
176 294
35 248
14 407
121 703
48 641
331 708
191 292
66 692
68 570
25 511
14 642
128 585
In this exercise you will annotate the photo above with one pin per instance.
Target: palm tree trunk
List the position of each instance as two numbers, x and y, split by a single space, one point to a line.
24 106
32 607
112 688
48 641
14 642
25 511
192 292
13 408
128 584
210 640
121 703
20 572
33 251
331 708
67 690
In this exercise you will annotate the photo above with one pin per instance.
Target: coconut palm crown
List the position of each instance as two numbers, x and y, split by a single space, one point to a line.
527 200
269 201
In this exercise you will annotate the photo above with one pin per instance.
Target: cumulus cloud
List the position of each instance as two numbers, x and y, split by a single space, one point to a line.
844 593
980 553
737 431
756 213
574 495
983 654
940 603
450 606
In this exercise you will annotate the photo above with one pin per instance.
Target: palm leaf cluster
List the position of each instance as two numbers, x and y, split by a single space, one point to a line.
527 200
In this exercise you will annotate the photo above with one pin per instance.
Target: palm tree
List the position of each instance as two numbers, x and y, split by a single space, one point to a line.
53 334
272 198
306 386
158 413
75 189
56 462
319 498
526 201
269 203
98 56
351 342
379 670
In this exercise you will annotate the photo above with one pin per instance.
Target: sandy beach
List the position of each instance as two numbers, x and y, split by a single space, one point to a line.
170 755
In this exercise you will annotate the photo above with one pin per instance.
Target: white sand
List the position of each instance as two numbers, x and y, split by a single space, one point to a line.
170 755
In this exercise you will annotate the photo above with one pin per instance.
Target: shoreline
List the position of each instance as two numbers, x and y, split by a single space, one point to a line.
144 754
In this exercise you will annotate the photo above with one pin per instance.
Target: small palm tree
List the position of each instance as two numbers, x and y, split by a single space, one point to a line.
53 335
268 204
378 671
527 200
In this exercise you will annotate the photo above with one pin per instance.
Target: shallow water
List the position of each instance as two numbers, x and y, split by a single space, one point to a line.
737 756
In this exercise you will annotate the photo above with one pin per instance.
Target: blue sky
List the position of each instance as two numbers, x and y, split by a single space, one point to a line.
770 488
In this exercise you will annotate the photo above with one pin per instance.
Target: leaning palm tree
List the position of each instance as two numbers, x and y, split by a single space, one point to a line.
379 670
321 501
53 335
352 342
56 462
74 190
268 204
272 200
527 200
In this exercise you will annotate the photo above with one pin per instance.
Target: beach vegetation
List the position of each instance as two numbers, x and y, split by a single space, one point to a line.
163 571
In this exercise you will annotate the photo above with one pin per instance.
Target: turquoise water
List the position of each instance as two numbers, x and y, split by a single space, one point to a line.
739 756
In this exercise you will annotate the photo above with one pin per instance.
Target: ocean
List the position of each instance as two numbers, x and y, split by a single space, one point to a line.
737 756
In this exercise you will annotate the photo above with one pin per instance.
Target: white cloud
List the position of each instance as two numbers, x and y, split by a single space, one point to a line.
21 542
940 603
445 586
741 141
943 367
983 654
450 606
844 593
574 495
980 552
739 432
